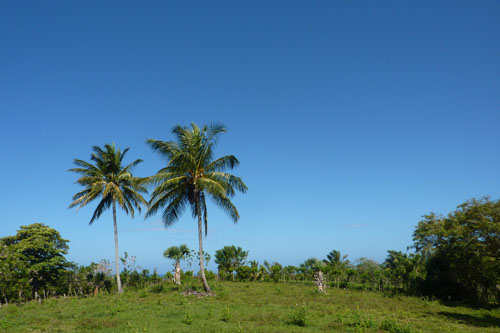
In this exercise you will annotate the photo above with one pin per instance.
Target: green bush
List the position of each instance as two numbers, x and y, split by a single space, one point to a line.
5 323
187 274
209 275
299 317
361 320
157 289
243 273
390 325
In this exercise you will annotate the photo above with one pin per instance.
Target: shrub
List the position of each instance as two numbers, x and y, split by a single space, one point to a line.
299 317
156 289
390 325
243 273
168 276
360 320
187 274
209 275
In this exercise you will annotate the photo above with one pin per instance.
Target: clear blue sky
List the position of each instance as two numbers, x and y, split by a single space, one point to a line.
351 119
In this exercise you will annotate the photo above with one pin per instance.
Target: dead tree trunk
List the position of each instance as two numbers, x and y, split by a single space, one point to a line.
320 281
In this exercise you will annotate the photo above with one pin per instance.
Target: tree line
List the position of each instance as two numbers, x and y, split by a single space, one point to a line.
33 266
453 257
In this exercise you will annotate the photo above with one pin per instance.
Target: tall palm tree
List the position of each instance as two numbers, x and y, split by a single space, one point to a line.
191 176
109 181
177 253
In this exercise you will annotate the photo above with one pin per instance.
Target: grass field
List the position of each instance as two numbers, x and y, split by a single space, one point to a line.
246 307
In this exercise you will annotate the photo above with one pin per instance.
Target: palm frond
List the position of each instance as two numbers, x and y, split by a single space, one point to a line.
223 163
230 180
167 149
107 179
162 177
101 207
131 166
210 186
226 205
191 174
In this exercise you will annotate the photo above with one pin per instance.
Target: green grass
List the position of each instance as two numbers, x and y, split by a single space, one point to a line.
246 307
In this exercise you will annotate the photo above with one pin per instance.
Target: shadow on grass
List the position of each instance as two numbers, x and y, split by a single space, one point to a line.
470 305
479 321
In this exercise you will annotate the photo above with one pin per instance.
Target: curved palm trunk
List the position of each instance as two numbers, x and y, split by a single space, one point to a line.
117 266
202 267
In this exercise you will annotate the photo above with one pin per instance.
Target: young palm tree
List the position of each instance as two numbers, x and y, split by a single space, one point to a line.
109 181
335 259
191 176
337 264
177 253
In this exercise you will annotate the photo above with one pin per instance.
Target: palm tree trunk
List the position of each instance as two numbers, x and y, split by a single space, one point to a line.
117 266
200 240
177 275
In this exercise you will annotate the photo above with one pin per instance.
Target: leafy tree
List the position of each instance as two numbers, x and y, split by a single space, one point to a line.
14 279
399 267
255 273
244 273
369 272
98 276
191 177
35 255
112 183
274 270
196 256
462 252
254 263
229 258
290 272
177 253
311 266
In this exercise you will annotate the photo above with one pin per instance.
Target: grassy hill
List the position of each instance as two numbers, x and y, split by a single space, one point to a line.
246 307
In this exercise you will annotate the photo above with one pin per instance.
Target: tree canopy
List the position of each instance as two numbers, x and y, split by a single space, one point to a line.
462 251
34 256
230 258
177 253
108 180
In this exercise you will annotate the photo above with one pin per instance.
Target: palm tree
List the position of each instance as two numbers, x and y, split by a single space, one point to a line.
191 176
399 266
109 181
337 264
334 258
177 253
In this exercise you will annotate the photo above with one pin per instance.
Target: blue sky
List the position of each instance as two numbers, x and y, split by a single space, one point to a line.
351 119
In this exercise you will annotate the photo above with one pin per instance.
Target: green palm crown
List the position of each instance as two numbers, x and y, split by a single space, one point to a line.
109 180
192 175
